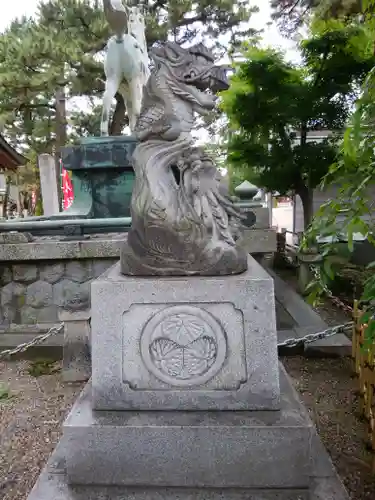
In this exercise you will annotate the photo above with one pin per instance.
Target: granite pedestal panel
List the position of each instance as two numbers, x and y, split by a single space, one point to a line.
320 481
184 343
243 449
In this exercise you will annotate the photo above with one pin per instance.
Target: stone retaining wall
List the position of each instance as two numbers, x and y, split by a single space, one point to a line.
40 277
33 292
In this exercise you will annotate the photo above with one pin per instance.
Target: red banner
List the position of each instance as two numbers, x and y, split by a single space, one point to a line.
67 188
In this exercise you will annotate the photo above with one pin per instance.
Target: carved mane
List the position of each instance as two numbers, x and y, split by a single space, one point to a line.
181 223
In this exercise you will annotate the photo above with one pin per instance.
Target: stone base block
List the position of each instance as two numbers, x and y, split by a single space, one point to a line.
262 215
54 487
324 484
184 343
260 240
253 449
76 353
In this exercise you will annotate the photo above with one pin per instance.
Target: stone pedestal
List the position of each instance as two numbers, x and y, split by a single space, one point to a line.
173 354
247 449
169 455
184 343
262 215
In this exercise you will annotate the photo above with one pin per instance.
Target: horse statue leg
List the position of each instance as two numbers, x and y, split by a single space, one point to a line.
135 101
111 87
129 105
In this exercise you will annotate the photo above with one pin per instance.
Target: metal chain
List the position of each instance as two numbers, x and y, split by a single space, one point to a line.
294 261
312 337
36 341
339 303
292 342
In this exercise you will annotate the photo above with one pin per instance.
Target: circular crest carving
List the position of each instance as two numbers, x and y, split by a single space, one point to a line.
183 346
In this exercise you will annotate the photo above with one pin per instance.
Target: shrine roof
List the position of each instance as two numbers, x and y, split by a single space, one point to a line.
10 159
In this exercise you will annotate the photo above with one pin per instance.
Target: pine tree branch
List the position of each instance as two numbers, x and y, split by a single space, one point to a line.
292 9
202 18
36 106
159 4
86 25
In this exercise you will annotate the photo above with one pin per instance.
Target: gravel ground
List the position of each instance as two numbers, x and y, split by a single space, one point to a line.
30 422
329 392
31 418
30 425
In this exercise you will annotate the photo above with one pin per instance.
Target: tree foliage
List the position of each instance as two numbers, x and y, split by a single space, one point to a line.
273 104
292 14
56 58
353 209
63 48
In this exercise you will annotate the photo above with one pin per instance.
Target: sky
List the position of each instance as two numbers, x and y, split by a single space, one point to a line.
271 36
17 8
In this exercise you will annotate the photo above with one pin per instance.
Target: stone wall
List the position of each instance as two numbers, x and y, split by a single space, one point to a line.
40 277
33 292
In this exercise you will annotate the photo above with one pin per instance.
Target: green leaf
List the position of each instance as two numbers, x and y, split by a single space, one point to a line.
365 317
350 239
327 267
369 291
369 335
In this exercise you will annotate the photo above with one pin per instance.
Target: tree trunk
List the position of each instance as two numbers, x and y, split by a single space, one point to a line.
6 197
306 194
307 198
119 119
303 134
61 135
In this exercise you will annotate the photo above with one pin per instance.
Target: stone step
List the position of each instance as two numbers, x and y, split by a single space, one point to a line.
53 486
323 481
247 449
307 321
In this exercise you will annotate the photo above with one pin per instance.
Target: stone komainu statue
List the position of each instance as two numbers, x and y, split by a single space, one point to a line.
181 223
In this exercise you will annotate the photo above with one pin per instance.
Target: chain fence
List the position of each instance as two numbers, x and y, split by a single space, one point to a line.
312 337
292 342
335 300
39 339
290 252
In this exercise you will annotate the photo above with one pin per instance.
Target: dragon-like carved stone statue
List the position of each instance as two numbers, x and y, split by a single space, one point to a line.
181 223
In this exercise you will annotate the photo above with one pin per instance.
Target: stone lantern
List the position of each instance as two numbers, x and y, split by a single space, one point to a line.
246 191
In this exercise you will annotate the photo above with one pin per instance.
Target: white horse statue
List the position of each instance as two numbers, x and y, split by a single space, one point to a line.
126 62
